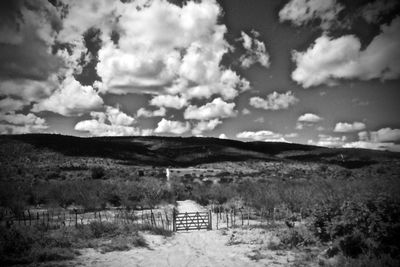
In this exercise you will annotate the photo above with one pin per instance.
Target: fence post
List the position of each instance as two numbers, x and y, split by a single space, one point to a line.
162 221
241 213
186 221
76 217
174 220
248 216
210 220
167 220
227 219
217 217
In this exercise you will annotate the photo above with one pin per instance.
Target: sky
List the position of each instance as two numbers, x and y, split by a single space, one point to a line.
319 72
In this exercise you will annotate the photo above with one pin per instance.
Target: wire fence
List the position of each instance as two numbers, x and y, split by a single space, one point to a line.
56 219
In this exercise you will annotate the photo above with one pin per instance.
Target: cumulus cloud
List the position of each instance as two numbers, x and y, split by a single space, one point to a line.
71 99
12 123
382 139
222 136
381 135
345 127
263 135
168 101
142 112
150 55
112 122
255 51
329 141
309 117
22 119
328 59
274 101
218 108
303 12
372 145
307 120
203 126
174 127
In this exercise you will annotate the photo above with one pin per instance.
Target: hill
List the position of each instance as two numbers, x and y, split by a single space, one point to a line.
178 151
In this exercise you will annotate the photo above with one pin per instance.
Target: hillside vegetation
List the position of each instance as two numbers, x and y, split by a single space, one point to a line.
349 199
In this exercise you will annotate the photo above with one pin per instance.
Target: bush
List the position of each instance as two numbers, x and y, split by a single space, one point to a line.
371 226
297 237
98 172
103 229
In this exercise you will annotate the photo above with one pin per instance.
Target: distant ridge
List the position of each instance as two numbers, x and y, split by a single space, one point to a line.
186 151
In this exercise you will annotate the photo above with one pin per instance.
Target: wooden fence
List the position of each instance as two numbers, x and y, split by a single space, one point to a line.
57 219
228 218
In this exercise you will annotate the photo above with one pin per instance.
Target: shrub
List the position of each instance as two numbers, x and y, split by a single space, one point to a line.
371 226
98 172
102 229
297 237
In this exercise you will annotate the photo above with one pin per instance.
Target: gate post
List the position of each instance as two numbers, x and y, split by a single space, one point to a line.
209 220
174 220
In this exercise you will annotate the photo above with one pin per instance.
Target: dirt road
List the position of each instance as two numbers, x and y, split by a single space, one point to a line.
194 248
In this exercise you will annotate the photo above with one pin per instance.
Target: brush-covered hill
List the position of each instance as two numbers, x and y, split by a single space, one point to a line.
178 151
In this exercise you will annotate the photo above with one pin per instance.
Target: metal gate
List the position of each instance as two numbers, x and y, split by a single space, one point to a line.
192 221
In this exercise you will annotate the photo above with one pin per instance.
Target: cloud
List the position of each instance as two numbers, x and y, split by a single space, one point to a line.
163 47
229 85
71 99
259 120
174 127
375 11
97 128
307 120
218 108
382 139
168 101
255 51
12 123
372 145
303 12
28 90
264 135
309 117
329 60
345 127
26 33
9 104
328 141
21 119
381 135
203 126
222 136
142 112
274 101
245 111
112 122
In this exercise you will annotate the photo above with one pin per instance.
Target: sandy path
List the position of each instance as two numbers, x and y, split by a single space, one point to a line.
193 248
